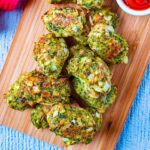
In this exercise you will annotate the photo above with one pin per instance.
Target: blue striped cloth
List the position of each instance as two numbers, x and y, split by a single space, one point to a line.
136 132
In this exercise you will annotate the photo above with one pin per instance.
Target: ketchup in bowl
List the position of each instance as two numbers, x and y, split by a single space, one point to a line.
138 4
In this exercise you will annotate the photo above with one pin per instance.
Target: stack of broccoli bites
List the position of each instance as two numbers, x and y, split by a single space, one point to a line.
73 61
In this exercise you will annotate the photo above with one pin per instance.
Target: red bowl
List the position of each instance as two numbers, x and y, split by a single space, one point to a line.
8 4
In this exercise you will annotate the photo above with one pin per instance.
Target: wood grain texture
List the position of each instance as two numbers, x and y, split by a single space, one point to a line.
127 77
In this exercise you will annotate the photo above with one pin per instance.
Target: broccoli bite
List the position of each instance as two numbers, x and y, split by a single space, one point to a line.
38 117
25 91
111 47
75 125
51 53
92 97
103 15
35 88
90 4
64 21
91 71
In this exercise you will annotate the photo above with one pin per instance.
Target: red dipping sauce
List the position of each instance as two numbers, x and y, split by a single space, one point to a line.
138 4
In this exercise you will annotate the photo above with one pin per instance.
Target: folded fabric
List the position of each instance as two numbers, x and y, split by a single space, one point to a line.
8 4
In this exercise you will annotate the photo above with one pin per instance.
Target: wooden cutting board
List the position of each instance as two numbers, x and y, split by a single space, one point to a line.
127 77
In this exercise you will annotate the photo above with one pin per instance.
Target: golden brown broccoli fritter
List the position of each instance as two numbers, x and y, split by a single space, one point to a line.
64 21
110 46
75 125
51 53
92 71
92 97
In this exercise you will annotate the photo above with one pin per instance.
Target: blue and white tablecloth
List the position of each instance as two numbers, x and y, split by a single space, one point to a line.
136 132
